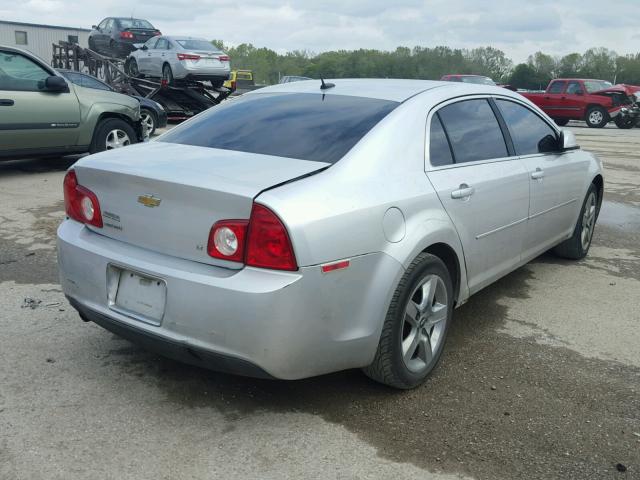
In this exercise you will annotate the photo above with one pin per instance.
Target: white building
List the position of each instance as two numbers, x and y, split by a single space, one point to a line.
39 38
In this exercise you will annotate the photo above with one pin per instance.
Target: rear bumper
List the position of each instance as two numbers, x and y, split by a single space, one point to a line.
169 348
286 325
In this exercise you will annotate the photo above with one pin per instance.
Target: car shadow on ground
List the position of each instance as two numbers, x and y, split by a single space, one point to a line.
494 403
37 165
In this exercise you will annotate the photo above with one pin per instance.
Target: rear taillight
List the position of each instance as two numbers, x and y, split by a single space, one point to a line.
127 35
224 58
156 33
268 244
80 203
188 56
227 240
262 242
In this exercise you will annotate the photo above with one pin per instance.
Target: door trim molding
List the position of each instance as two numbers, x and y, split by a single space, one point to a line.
555 207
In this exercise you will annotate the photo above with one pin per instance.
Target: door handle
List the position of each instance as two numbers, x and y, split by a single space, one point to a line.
464 191
6 102
538 174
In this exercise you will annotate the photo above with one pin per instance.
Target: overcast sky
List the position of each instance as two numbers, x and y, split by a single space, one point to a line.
518 27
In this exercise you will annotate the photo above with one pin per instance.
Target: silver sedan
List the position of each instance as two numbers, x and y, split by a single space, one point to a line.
179 58
301 230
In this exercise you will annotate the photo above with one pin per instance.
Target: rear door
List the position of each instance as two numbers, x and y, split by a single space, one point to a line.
555 177
573 100
483 187
31 119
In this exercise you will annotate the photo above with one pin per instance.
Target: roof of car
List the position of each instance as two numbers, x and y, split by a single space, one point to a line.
182 37
397 90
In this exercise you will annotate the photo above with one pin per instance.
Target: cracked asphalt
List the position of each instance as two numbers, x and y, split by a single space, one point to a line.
540 378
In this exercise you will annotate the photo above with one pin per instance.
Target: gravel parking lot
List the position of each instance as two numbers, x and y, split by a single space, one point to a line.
540 377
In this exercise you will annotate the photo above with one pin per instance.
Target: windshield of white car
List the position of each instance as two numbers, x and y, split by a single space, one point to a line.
197 45
596 85
478 80
305 126
135 23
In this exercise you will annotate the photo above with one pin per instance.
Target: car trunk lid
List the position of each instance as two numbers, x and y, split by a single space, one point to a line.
166 197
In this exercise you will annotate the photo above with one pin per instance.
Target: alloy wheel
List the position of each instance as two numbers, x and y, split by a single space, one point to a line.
596 117
147 121
424 323
588 221
116 139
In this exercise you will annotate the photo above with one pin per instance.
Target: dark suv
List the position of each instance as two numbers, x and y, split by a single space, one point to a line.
115 36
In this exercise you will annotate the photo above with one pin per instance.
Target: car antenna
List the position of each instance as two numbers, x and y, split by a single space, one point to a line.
326 86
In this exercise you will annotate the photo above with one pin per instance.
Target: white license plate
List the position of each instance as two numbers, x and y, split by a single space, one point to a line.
137 294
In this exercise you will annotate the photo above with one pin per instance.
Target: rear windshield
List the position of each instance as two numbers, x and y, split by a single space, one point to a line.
478 80
197 45
305 126
134 23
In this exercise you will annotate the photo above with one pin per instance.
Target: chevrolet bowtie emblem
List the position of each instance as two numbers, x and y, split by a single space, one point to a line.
149 200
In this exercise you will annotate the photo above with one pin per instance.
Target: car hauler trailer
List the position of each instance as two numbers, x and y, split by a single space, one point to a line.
180 101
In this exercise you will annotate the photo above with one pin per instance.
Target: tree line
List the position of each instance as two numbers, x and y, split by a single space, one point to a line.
432 63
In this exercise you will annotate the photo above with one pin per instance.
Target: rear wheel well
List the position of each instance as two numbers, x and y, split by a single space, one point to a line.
448 255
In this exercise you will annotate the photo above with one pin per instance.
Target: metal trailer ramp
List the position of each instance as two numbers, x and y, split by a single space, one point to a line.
181 100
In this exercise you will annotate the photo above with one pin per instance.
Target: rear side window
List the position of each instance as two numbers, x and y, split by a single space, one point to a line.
305 126
557 87
530 134
439 151
473 131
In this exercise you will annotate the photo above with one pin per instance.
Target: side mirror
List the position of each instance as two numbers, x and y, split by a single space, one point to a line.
579 92
568 141
54 84
144 47
94 27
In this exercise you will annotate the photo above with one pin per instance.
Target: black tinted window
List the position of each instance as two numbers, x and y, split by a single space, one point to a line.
306 126
86 81
574 87
473 130
530 134
557 87
439 151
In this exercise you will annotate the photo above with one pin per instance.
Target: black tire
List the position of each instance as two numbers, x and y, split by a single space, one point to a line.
131 67
148 115
217 83
561 121
388 366
574 248
104 128
625 122
92 45
597 117
167 74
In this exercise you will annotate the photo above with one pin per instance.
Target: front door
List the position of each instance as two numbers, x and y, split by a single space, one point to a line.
29 117
553 176
483 188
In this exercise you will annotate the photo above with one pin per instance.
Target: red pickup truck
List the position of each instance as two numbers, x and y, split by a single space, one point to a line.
595 101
